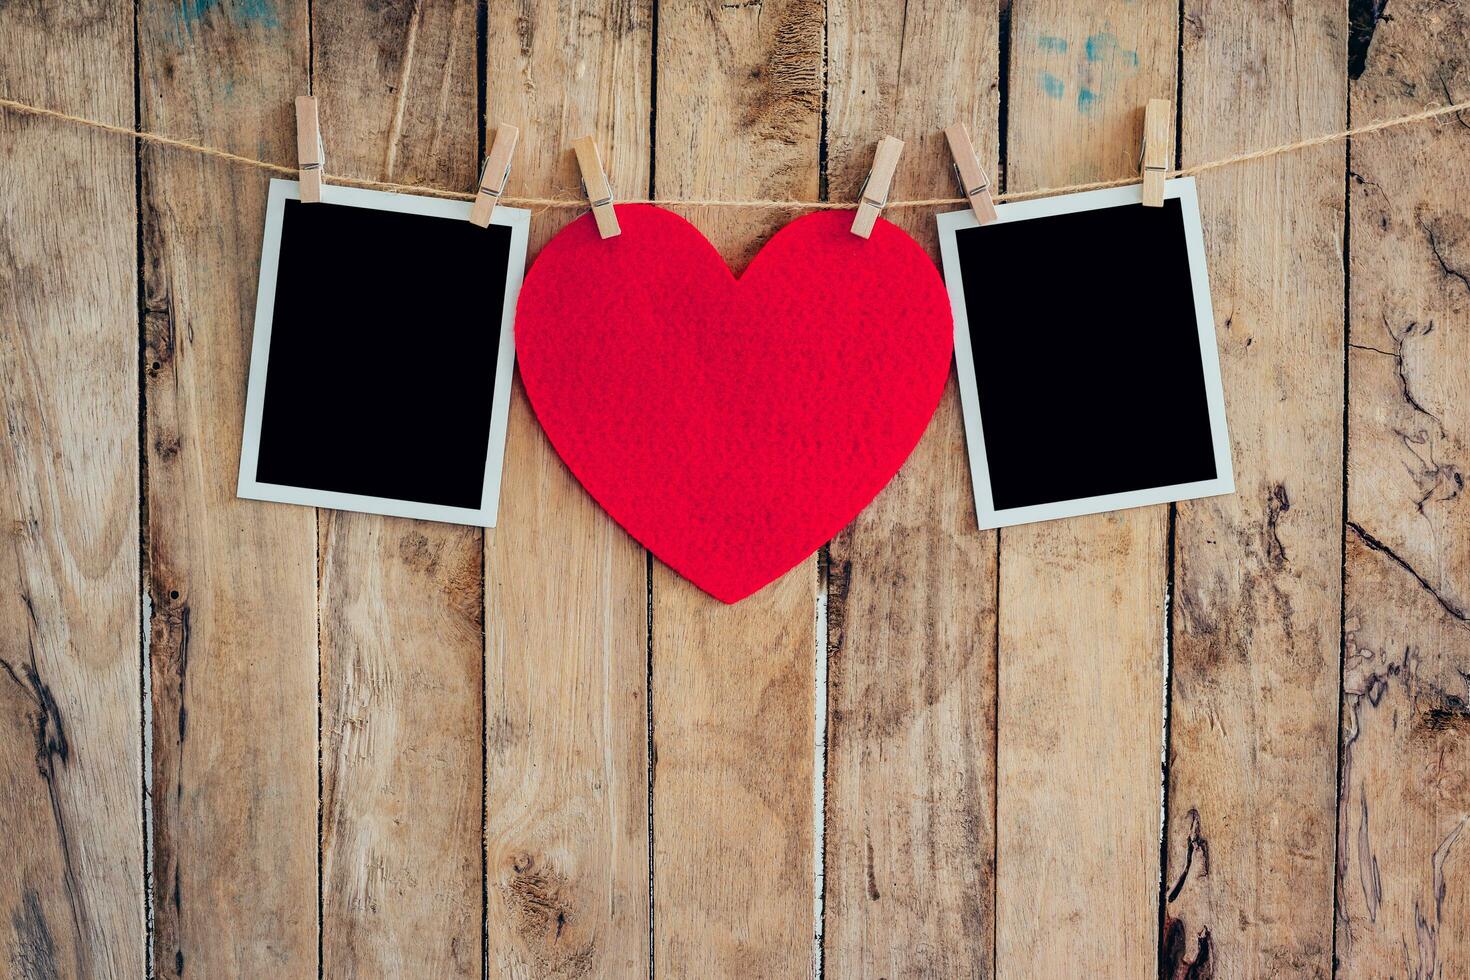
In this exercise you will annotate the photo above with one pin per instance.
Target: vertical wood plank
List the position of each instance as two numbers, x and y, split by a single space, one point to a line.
1403 886
566 588
1081 601
738 114
232 582
1253 733
71 880
401 616
910 834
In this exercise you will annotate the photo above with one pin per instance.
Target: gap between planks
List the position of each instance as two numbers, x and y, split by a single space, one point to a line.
819 770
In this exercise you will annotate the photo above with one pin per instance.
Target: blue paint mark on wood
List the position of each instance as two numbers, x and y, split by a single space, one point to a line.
260 13
1101 47
1086 100
1052 85
1050 42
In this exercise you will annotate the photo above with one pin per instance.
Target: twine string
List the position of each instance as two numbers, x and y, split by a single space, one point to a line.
158 139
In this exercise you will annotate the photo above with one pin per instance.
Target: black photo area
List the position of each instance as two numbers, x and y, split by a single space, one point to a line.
383 354
1087 357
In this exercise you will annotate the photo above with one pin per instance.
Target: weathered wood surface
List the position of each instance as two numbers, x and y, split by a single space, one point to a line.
1081 601
986 800
1403 822
910 801
71 874
738 114
400 601
232 583
1256 616
567 850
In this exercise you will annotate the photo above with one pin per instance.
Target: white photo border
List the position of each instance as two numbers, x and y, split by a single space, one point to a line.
518 220
1224 482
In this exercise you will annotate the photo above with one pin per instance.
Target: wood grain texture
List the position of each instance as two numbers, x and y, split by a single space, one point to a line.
1252 775
738 114
232 582
1081 600
566 588
1403 876
71 879
910 834
402 634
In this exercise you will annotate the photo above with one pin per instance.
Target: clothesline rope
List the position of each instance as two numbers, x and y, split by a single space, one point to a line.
158 139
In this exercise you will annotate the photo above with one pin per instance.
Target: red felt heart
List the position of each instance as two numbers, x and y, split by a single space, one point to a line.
733 426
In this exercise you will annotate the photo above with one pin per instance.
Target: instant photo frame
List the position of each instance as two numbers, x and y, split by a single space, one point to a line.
1086 353
381 363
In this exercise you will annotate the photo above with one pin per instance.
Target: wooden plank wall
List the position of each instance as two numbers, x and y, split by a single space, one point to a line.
566 592
71 701
1252 775
1081 601
231 585
910 793
242 739
401 713
1403 820
739 100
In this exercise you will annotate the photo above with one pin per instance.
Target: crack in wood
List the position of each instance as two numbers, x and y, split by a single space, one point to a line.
1427 963
1449 271
1399 340
1376 545
1194 843
1173 964
1277 503
51 746
1363 19
1444 86
1369 877
873 892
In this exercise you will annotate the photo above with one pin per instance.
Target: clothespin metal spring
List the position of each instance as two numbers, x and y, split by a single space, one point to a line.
873 195
497 164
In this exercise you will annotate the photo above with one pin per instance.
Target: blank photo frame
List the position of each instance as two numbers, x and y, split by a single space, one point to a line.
381 364
1085 349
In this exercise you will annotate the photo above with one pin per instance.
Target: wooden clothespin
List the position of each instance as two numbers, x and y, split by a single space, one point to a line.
495 174
874 193
973 182
1156 145
311 159
599 191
